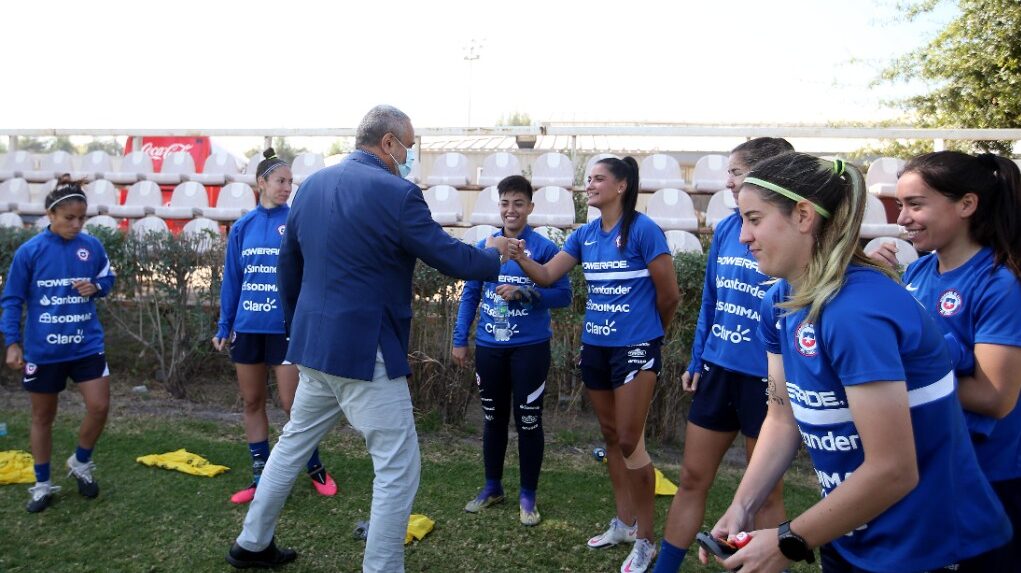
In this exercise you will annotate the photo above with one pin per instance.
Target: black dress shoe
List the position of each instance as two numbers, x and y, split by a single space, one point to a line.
268 558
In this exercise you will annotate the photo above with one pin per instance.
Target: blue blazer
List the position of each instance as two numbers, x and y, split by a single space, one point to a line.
346 263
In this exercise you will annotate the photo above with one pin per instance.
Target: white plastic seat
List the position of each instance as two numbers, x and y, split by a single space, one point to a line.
306 164
101 221
37 192
874 223
553 169
13 220
591 163
477 233
235 200
216 170
659 171
12 193
487 208
554 206
558 236
682 242
445 204
718 208
906 253
93 165
51 166
497 166
672 209
881 178
187 198
148 225
592 214
135 166
198 231
450 169
101 195
142 199
16 164
710 174
41 222
177 166
248 177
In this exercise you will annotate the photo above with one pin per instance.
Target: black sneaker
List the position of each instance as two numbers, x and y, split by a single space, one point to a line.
82 473
42 497
269 558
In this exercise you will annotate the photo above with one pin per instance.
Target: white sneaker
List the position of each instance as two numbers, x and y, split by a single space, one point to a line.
41 494
82 473
617 533
640 558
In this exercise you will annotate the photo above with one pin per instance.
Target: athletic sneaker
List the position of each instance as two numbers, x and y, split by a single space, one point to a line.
42 496
82 473
323 483
617 533
483 501
244 496
268 558
640 558
530 518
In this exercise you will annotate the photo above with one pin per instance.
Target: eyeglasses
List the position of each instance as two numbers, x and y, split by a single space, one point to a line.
398 140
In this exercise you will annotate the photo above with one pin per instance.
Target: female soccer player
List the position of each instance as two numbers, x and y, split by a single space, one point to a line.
727 371
632 296
966 210
861 375
512 352
58 275
251 315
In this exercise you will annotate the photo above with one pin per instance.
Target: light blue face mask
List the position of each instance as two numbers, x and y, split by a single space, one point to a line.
404 168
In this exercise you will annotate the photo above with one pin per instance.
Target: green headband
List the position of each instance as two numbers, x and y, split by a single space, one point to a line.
786 193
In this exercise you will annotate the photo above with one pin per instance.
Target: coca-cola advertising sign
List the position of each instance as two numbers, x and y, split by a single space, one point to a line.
158 147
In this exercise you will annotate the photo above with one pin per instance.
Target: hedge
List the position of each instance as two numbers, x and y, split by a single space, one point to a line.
163 312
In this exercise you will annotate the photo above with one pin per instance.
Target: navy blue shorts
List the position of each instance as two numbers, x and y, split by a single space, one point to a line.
252 348
610 367
52 378
728 401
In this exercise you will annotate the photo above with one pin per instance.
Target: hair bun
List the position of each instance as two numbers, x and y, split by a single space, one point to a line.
64 179
269 153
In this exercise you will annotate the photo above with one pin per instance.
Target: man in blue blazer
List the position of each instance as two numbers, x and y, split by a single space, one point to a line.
352 238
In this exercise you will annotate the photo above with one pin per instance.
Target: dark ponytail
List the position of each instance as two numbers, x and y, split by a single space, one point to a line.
996 181
625 170
67 191
268 164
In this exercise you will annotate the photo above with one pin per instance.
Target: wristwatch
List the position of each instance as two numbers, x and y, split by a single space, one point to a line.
792 545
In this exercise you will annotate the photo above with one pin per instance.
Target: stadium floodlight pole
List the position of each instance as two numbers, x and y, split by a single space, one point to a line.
472 53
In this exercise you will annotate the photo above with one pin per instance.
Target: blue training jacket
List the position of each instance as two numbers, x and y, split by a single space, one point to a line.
529 320
731 300
249 297
61 325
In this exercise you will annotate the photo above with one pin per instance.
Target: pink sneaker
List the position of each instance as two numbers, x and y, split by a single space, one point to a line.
326 487
244 496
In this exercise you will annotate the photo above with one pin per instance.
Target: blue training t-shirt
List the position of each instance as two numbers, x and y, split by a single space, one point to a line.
979 303
61 325
249 298
621 307
728 322
873 331
529 320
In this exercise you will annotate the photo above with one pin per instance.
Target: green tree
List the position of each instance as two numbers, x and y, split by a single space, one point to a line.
972 69
517 118
283 149
110 146
340 147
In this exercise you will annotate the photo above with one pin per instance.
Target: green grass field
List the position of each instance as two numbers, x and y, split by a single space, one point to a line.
149 519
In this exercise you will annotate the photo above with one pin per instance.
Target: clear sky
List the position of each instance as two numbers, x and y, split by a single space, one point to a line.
216 63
